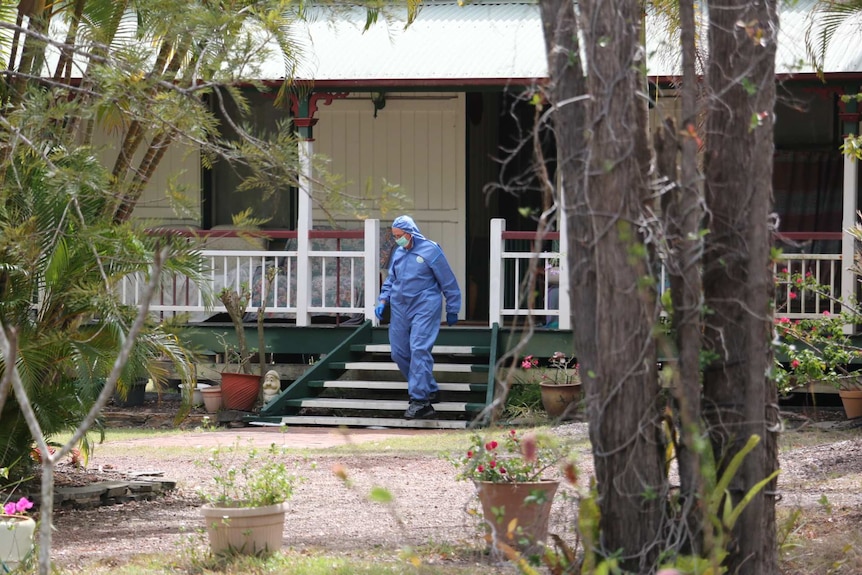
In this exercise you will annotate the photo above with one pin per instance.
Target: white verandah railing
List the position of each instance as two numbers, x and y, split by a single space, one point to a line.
339 266
511 253
343 274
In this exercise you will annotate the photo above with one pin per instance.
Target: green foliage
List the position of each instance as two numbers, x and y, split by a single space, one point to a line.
813 350
247 477
514 458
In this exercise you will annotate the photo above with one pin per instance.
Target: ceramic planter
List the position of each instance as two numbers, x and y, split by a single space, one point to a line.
852 400
135 394
558 397
239 391
16 540
211 398
513 519
244 530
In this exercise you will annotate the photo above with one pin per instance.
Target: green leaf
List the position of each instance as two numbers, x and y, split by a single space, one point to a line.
380 495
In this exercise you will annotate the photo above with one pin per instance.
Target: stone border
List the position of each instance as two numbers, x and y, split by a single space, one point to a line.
112 492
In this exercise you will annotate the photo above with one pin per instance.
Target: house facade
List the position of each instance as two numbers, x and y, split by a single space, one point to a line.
441 109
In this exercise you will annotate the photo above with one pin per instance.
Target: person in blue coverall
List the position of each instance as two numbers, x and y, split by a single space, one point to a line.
419 277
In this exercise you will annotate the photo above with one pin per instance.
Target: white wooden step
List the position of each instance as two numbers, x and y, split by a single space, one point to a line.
402 385
377 404
450 349
375 422
390 366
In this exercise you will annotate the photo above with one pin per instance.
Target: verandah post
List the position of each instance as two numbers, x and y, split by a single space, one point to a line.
372 267
495 273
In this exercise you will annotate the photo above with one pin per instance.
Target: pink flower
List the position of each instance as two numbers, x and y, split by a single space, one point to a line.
492 465
792 295
469 455
784 320
527 363
491 446
17 507
794 364
826 313
480 468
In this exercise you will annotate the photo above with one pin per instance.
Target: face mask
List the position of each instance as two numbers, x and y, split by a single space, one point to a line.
402 241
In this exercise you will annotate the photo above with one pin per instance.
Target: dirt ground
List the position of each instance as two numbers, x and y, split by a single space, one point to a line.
429 506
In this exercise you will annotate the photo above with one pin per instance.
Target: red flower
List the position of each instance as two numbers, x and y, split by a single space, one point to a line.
492 465
792 295
480 468
503 470
491 446
794 364
469 455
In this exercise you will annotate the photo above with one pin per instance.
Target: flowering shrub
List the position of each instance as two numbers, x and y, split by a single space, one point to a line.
813 350
17 507
560 370
512 459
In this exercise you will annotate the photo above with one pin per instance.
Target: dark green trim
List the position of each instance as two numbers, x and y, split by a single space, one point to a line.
322 370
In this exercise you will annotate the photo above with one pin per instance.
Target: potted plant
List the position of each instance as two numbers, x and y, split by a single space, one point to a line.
16 533
240 387
559 382
245 506
817 350
509 474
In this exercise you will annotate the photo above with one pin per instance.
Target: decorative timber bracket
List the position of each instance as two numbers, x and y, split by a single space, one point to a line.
304 109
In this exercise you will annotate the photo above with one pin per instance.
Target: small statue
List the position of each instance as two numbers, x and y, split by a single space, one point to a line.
271 385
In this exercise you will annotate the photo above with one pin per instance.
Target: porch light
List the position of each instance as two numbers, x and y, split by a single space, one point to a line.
379 101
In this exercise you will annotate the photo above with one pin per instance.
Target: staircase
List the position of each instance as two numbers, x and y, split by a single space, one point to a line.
357 384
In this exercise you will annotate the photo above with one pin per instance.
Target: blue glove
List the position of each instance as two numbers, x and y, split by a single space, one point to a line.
451 318
378 311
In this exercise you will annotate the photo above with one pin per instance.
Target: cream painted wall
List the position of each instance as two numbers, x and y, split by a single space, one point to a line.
417 141
180 165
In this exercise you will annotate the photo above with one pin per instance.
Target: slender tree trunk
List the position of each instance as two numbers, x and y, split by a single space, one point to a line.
682 210
621 379
739 398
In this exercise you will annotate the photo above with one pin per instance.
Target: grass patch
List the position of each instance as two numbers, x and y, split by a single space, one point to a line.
430 560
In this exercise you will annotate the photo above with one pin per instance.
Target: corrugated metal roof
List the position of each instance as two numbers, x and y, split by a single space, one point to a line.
502 39
480 40
795 21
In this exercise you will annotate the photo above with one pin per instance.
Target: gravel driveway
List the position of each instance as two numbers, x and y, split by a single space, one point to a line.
429 505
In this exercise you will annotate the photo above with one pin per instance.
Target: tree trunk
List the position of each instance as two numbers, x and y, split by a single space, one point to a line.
682 211
739 399
614 311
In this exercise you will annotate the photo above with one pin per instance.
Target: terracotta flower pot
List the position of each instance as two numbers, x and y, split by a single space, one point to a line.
211 396
239 391
513 519
852 400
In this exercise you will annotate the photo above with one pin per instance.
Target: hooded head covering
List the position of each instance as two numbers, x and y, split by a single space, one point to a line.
407 224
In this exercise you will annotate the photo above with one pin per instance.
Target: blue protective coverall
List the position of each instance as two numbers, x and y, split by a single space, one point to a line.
417 279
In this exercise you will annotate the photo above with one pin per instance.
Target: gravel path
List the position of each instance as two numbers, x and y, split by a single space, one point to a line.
429 504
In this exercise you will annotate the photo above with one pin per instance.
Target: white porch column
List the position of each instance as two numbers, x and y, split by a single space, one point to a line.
565 318
303 227
372 267
495 273
848 220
